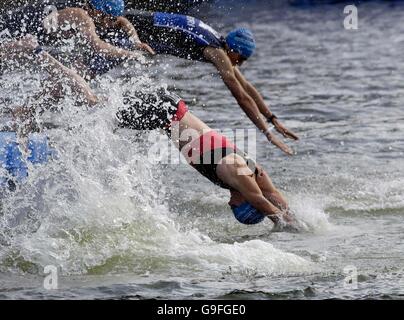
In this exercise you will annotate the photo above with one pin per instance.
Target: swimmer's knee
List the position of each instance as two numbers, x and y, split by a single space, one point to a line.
234 160
241 166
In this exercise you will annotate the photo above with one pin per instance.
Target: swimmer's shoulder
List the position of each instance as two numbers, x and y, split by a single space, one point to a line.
213 54
75 13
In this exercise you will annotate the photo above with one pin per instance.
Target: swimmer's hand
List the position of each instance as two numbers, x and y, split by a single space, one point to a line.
280 144
283 130
145 47
286 222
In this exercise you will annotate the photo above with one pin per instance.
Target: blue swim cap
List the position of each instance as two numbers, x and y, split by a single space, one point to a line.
114 8
247 214
13 164
241 41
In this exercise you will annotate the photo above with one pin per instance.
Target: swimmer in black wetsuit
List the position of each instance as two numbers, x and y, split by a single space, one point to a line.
253 195
189 38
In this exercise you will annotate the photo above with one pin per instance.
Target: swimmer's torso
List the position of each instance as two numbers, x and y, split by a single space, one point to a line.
174 34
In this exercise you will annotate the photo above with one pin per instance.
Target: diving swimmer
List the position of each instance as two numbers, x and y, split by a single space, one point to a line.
189 38
252 193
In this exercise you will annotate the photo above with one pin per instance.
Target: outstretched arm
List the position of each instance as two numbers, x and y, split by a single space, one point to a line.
61 73
28 51
226 71
219 58
264 109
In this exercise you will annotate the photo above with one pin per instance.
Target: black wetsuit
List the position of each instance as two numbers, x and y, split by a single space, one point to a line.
148 111
175 34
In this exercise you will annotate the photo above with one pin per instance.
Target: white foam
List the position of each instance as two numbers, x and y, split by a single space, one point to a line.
310 210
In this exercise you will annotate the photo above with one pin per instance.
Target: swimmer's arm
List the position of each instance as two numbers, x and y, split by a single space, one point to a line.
226 71
219 58
28 48
253 92
264 109
125 25
71 78
18 49
59 75
86 28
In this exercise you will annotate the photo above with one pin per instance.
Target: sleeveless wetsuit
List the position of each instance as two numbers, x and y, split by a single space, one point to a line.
175 34
158 111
